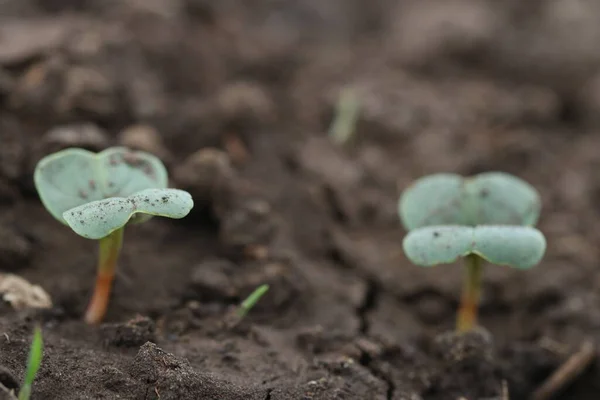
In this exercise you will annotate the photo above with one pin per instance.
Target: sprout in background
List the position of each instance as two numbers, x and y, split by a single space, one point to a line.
251 300
238 313
97 195
488 217
347 111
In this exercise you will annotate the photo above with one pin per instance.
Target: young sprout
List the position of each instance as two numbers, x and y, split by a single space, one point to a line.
251 300
97 195
488 217
33 364
346 115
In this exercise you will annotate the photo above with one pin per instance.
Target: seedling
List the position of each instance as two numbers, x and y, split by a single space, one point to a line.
488 217
97 195
237 314
33 364
251 300
346 116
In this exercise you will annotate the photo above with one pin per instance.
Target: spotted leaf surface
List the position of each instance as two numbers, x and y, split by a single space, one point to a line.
98 219
515 246
74 177
491 198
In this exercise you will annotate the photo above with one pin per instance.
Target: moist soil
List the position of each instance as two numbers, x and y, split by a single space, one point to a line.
236 97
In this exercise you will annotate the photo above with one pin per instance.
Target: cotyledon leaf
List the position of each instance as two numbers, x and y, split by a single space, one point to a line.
100 218
501 199
515 246
433 200
73 177
491 198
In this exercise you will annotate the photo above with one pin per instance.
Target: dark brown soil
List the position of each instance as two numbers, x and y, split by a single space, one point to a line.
458 86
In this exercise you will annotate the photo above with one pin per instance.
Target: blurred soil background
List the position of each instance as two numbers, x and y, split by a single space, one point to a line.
236 97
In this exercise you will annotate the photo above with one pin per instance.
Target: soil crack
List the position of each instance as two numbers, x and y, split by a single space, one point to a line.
268 396
367 361
369 303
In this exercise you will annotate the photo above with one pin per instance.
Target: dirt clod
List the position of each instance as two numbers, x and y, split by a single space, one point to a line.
21 40
145 138
16 250
133 333
208 175
211 280
8 380
249 224
467 358
244 104
21 294
87 136
173 379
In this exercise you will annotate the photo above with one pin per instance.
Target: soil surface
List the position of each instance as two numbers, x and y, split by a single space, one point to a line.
236 97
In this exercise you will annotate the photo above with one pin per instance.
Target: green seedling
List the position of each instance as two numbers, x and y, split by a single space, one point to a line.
235 315
346 116
97 195
33 364
485 218
251 300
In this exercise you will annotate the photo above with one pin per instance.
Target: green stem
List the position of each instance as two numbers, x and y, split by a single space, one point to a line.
346 116
251 300
25 392
33 364
110 248
467 314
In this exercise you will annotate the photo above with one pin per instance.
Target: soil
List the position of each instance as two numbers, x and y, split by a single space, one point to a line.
236 97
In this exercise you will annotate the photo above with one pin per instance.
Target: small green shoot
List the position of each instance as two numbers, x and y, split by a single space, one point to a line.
251 300
488 217
97 195
346 116
33 364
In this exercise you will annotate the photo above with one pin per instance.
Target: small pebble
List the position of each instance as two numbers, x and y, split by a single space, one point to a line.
132 333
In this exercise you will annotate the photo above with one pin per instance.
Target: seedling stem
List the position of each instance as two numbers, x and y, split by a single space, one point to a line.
110 247
251 300
467 314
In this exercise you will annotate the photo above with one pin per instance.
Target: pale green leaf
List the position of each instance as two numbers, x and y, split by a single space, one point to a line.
433 200
491 198
502 199
73 177
516 246
100 218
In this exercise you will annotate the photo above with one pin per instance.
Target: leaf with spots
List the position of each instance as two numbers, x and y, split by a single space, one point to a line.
515 246
491 198
74 177
98 219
